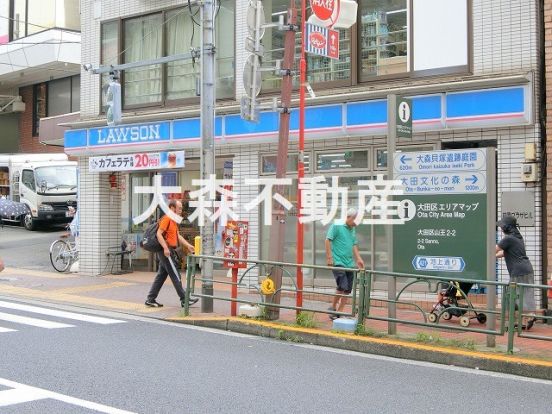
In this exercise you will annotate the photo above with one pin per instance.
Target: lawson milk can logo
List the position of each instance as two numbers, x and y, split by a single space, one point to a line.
130 134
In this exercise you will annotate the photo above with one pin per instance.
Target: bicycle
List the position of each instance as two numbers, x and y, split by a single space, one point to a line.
63 253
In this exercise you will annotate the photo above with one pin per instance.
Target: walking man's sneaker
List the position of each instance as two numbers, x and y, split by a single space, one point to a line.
153 304
332 316
192 301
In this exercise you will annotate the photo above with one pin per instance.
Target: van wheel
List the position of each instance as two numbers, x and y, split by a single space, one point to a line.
29 222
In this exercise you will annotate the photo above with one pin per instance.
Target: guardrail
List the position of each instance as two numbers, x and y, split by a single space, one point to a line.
266 300
363 298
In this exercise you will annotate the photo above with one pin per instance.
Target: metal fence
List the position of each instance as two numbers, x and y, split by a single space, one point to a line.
497 320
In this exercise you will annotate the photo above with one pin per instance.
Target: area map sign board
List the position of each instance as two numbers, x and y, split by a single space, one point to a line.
449 235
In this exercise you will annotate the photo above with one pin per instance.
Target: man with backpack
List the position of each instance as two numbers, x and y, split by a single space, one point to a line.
169 238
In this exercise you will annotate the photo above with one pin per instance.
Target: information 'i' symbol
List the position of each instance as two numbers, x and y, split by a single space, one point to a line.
404 112
406 210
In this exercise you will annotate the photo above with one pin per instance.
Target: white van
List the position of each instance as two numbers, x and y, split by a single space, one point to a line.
45 183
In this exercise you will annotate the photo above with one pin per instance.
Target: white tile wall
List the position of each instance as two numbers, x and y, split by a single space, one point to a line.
100 221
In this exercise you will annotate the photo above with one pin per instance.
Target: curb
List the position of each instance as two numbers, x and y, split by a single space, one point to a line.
394 348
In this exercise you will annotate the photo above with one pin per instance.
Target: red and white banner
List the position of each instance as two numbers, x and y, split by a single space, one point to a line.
326 10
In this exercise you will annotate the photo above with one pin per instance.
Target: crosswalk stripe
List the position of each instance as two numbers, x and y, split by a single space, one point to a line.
60 314
32 321
6 330
17 396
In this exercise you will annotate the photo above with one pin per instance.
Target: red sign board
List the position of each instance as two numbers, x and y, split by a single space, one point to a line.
326 10
322 41
235 240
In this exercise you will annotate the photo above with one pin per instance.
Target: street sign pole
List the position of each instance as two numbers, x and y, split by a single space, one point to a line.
491 242
301 166
278 229
207 139
391 146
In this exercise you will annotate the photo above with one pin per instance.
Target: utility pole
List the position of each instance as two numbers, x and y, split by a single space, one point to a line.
208 100
278 230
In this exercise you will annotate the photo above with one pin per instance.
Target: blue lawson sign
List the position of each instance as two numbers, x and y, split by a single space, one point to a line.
439 263
448 110
129 134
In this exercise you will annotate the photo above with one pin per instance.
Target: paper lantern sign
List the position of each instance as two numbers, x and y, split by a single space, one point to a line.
326 10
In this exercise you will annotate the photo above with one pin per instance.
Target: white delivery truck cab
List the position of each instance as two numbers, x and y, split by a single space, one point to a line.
45 183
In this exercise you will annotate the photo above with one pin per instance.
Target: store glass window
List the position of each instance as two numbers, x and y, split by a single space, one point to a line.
321 69
383 38
342 160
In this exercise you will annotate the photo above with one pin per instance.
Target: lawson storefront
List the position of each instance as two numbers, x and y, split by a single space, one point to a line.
345 138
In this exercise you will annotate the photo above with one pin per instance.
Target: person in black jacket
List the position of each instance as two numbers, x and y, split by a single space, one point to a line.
512 249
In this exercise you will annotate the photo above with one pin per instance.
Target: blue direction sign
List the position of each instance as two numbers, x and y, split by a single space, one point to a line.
459 182
438 263
440 161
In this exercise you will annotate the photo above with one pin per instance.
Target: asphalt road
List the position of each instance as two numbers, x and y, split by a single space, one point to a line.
28 249
148 366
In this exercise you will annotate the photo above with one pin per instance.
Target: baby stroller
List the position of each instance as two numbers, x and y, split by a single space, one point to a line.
454 301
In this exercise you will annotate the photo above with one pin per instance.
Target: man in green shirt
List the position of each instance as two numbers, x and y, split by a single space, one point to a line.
341 245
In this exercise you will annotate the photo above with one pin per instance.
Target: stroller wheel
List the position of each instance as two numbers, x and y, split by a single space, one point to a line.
446 316
465 321
432 317
481 318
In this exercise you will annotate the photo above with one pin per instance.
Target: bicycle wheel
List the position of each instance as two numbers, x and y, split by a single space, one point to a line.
60 255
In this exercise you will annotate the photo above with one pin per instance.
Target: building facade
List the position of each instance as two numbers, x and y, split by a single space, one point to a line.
471 67
39 71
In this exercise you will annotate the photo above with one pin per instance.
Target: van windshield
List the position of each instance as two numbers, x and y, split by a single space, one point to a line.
56 177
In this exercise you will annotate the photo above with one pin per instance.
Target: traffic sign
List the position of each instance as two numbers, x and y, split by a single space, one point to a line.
252 76
321 41
438 263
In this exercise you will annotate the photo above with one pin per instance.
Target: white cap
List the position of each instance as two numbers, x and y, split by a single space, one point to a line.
352 212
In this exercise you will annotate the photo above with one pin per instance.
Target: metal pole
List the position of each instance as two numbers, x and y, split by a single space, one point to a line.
391 145
278 230
301 166
491 242
207 137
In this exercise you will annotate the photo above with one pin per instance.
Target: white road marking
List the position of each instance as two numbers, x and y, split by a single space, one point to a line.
21 393
2 330
60 314
17 396
33 321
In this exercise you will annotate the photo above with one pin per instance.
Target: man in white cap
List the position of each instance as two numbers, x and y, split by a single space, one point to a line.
341 245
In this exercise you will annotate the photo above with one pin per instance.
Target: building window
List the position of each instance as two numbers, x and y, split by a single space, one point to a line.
31 16
348 160
143 41
4 23
109 50
383 35
39 105
165 34
57 97
392 39
268 163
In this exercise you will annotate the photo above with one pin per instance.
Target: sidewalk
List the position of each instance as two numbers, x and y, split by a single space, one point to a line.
126 293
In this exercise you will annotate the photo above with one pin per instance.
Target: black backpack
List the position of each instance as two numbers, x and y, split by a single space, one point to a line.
149 241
